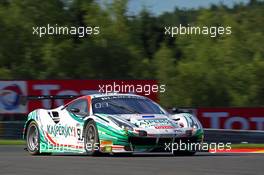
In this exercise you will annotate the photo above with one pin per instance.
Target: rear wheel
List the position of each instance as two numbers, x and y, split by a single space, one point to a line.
91 139
33 138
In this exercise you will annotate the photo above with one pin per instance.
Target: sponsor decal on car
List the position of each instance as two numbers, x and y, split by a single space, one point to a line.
157 123
62 130
164 127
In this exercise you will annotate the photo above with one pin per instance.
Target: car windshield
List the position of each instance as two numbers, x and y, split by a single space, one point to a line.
125 105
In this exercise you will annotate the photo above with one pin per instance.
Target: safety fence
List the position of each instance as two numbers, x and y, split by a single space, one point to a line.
233 136
11 129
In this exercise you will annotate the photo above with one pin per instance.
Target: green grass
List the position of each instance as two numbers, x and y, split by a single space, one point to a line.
12 142
247 145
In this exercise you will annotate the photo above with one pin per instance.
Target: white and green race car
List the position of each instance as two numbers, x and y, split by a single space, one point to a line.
109 123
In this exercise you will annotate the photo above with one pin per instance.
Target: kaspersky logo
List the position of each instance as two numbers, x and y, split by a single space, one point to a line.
9 97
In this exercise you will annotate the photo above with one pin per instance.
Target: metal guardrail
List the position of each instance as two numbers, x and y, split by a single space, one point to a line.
11 129
14 130
233 136
234 130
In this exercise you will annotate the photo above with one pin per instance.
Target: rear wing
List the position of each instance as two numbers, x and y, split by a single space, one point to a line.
24 99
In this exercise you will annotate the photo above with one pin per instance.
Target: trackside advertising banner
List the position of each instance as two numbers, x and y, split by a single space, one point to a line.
218 118
10 91
232 118
9 96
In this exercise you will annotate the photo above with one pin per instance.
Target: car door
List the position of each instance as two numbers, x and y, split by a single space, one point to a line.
77 117
69 129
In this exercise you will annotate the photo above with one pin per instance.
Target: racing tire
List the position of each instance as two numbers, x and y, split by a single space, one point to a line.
91 139
32 139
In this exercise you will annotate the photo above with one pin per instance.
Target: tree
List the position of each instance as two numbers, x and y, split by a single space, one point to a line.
164 66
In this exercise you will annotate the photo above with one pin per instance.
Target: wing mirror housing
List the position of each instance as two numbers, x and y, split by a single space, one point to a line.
175 110
75 110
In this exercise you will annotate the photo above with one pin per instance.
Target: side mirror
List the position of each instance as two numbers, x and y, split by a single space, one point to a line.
75 110
175 110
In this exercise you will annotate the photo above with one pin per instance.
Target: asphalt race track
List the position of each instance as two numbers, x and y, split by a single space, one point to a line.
14 160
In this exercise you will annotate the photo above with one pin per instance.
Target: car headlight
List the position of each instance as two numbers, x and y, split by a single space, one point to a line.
187 120
196 123
121 124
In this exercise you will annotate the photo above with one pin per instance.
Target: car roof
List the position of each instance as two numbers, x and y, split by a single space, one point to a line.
98 95
112 94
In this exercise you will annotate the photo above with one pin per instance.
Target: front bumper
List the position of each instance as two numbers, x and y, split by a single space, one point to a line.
148 144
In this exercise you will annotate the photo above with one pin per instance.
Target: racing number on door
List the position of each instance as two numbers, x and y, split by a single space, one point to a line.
79 134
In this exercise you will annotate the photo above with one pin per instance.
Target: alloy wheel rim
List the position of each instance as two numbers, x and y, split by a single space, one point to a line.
91 136
33 138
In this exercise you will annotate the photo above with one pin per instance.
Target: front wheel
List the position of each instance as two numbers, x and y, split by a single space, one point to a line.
33 138
91 139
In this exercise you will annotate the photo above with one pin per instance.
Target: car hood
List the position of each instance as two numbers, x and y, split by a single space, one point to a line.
153 124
